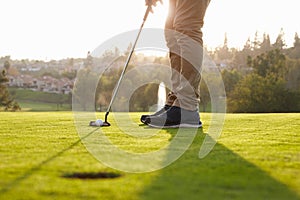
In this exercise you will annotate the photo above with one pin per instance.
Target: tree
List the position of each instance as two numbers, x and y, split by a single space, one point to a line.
70 74
266 43
204 95
6 65
239 60
88 62
105 87
84 89
247 46
280 42
295 50
7 62
256 42
138 101
296 40
265 89
273 62
223 52
293 75
6 101
262 94
230 79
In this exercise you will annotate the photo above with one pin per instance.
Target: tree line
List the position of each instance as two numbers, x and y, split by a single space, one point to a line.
260 77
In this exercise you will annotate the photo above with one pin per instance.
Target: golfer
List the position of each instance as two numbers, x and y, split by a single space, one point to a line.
184 39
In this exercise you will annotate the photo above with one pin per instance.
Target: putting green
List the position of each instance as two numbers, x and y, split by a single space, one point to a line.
256 157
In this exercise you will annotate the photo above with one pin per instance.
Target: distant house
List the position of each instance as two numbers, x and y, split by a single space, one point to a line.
44 84
53 85
23 81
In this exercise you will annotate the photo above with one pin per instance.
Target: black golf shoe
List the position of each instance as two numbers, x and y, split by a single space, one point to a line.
175 117
164 109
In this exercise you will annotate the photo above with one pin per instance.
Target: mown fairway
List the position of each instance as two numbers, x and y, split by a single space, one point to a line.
257 157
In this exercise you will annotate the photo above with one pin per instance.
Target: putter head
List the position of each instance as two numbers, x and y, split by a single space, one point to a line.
106 124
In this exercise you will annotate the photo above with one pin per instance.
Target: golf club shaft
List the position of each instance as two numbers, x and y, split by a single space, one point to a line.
126 64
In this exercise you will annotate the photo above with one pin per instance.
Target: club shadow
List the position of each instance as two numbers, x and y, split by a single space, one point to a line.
32 170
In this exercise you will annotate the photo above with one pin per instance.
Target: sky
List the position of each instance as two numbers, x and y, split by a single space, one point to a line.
57 29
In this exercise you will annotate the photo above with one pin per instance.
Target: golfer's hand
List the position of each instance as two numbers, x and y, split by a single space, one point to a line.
152 3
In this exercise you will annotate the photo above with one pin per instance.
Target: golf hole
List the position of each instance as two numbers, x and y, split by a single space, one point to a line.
92 175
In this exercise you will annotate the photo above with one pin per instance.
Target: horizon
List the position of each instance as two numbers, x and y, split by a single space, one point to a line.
56 30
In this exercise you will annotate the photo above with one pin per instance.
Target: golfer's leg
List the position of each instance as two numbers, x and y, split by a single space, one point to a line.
189 21
174 52
188 94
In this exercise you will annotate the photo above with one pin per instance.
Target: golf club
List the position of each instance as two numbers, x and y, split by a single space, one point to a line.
99 122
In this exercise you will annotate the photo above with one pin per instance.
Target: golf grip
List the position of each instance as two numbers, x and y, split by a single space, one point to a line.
149 8
127 63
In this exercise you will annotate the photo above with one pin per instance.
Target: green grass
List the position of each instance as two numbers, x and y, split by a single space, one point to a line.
42 107
257 157
40 101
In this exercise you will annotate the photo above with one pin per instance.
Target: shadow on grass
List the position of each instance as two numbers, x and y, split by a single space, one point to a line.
31 171
221 175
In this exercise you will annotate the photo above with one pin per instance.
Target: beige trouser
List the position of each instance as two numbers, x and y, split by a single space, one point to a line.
184 40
